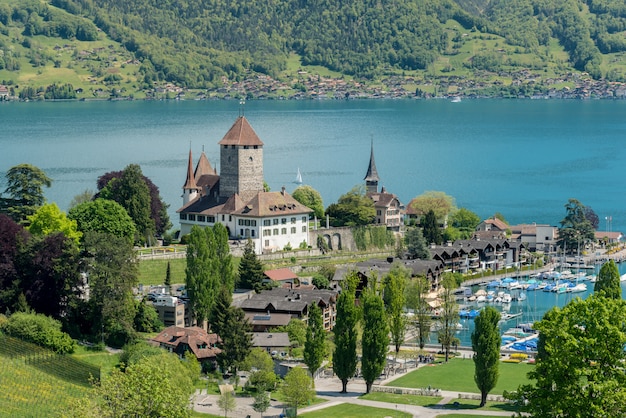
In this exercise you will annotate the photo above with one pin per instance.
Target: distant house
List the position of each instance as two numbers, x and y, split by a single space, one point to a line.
264 322
171 311
293 302
604 237
4 91
284 277
389 209
494 226
194 340
271 341
537 237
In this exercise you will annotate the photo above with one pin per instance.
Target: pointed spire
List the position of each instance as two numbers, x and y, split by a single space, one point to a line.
190 182
371 178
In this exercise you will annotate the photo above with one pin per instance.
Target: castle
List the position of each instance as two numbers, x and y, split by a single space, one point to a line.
236 197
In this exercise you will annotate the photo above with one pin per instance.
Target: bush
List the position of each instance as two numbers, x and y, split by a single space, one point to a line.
41 330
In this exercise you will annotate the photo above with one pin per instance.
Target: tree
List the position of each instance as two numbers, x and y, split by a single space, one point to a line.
592 217
131 191
261 364
155 386
486 343
449 317
315 344
224 268
201 280
105 216
50 275
416 292
320 281
261 402
439 202
251 273
227 402
168 277
310 198
395 300
345 331
352 209
375 342
12 238
465 221
608 281
146 318
49 219
580 361
219 313
83 197
575 228
298 388
41 330
430 227
296 329
416 245
112 277
25 185
236 341
158 208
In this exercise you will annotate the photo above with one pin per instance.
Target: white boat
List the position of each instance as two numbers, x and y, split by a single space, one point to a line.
580 287
622 278
506 298
481 299
298 179
456 99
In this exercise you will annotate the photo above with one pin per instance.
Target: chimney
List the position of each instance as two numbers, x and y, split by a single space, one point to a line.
282 190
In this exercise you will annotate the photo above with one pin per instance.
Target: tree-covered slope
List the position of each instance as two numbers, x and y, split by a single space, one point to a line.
205 43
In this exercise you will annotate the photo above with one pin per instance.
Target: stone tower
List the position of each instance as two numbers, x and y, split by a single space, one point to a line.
241 161
371 178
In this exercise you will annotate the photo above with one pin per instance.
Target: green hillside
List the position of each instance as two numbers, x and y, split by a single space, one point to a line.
139 48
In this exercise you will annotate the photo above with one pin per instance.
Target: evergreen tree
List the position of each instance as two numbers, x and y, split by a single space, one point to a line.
224 259
608 281
25 185
315 344
198 274
250 269
345 331
168 277
220 309
486 346
416 245
236 340
430 226
375 343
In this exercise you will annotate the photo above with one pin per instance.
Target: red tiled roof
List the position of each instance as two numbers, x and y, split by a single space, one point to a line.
193 337
241 133
281 274
272 204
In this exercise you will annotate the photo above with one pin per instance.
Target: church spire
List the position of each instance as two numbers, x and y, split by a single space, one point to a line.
190 189
371 178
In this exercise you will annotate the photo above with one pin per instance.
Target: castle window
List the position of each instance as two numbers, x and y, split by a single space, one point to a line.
256 147
267 242
267 232
222 218
304 219
183 216
230 218
283 231
293 229
304 229
293 220
240 222
267 222
252 233
275 221
210 219
246 147
241 232
283 220
253 222
275 231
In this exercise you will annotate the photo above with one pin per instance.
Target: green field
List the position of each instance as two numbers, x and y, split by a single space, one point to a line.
346 410
152 272
458 375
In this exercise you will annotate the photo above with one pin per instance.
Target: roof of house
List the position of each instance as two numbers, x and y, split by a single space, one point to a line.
270 339
268 319
265 204
497 223
242 134
190 181
613 235
287 300
383 266
201 343
382 198
281 274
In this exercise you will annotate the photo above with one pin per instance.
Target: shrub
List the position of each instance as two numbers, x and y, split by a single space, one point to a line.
41 330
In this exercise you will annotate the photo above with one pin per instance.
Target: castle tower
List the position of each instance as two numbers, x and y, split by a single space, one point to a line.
371 178
241 161
190 189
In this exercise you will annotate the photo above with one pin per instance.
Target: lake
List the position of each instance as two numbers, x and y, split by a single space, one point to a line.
522 158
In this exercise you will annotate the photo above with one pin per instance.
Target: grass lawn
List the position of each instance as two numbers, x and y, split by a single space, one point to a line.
103 359
152 272
346 410
458 375
403 399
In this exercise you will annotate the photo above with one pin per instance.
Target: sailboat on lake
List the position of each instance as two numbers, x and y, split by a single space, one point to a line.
298 179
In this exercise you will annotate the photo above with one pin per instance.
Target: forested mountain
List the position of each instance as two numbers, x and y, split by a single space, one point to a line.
204 44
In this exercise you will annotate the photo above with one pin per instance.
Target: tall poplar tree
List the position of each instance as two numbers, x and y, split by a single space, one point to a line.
430 226
395 300
315 344
608 281
416 292
449 317
486 343
198 274
345 331
375 342
236 340
224 259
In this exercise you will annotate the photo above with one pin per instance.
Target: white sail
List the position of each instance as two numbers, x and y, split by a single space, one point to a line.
298 177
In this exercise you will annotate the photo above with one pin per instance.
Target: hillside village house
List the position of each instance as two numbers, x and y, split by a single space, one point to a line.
194 340
236 198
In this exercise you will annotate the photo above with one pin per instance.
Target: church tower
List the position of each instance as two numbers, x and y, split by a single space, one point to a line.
190 189
241 162
371 178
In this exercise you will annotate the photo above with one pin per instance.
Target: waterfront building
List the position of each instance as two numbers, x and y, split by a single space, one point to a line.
389 209
236 197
